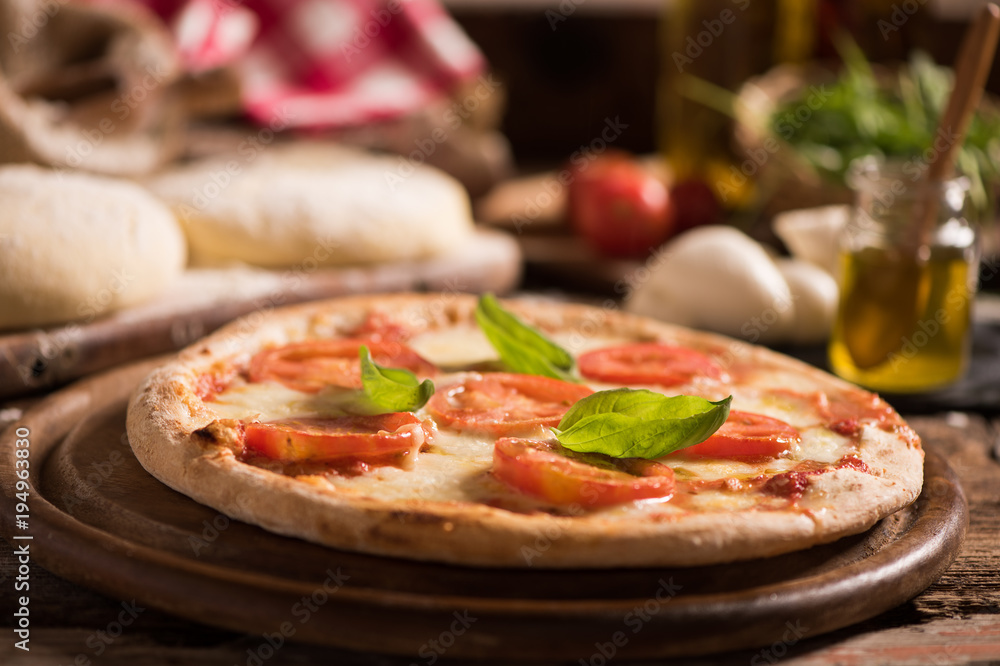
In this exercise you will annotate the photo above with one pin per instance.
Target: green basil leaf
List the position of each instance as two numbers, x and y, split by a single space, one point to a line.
392 389
638 403
627 423
522 348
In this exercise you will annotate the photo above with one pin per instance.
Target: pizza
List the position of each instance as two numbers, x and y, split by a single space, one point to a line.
720 451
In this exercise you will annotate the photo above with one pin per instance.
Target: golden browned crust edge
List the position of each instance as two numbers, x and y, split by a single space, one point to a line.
163 413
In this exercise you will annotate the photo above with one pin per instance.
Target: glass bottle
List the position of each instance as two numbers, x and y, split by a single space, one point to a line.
723 43
909 266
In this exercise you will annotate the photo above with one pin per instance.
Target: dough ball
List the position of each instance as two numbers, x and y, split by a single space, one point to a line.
315 204
717 278
815 294
75 246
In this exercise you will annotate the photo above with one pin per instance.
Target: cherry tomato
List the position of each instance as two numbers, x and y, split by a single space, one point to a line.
504 403
695 203
329 439
648 363
537 469
311 366
747 435
618 207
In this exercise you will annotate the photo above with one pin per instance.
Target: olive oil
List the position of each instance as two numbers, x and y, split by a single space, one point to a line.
903 322
698 40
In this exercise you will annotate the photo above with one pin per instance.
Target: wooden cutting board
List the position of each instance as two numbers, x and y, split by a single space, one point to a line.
204 299
97 518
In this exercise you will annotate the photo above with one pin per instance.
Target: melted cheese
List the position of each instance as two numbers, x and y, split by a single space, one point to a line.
796 412
271 401
583 341
465 346
453 469
823 446
453 348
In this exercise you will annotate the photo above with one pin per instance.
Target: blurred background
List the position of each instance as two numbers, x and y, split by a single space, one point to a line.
601 146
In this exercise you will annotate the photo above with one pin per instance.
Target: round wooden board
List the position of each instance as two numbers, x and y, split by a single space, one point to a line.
97 518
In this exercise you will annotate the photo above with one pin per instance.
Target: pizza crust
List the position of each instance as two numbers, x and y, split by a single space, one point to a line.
164 414
843 496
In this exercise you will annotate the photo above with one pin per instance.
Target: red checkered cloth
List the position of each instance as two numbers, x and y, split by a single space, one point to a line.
326 63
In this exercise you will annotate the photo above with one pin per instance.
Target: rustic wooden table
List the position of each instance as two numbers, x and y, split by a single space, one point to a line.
955 621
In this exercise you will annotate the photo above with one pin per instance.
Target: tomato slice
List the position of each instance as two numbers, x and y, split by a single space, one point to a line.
366 438
503 403
536 468
648 363
855 405
747 435
311 366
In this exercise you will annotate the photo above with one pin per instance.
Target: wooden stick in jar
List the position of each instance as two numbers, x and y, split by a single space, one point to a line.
971 68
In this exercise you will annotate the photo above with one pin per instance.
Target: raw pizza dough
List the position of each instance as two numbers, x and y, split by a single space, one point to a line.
446 506
74 246
314 204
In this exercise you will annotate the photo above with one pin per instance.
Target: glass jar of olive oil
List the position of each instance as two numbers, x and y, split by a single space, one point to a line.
909 264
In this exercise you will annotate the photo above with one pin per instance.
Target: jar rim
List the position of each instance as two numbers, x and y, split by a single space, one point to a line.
872 173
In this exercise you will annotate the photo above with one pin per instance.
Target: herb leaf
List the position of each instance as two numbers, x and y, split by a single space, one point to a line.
627 423
392 389
522 348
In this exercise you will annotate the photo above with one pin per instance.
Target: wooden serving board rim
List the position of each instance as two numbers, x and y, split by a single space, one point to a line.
82 553
41 357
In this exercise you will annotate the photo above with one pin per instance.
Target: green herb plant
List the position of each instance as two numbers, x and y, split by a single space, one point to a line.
895 117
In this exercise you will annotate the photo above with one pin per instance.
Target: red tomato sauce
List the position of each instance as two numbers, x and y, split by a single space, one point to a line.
210 384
